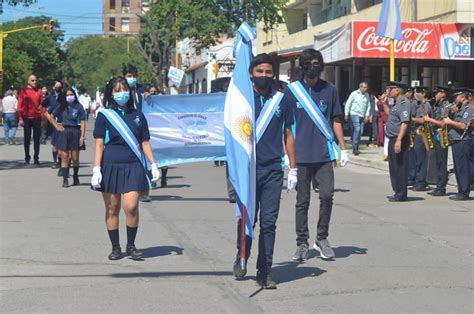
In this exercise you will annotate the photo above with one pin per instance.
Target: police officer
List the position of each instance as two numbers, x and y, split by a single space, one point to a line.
462 143
269 171
409 94
422 109
397 131
439 111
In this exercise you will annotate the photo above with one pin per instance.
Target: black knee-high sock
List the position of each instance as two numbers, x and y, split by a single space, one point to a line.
114 237
76 171
65 173
55 157
131 234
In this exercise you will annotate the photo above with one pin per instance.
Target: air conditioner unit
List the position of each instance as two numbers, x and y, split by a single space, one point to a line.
125 9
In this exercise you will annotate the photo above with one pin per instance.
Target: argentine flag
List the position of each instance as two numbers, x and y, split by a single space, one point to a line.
389 21
239 129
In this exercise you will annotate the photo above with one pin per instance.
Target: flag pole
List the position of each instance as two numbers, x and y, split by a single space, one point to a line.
392 59
243 237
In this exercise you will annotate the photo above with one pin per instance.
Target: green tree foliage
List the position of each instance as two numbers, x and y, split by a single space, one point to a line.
204 21
93 60
33 51
13 3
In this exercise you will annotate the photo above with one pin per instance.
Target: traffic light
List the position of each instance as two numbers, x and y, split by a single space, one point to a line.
49 27
215 68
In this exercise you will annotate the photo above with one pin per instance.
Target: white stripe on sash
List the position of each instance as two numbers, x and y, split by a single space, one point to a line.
267 113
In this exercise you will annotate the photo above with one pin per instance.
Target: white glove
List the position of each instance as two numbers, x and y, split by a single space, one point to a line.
344 158
292 178
96 177
155 173
286 161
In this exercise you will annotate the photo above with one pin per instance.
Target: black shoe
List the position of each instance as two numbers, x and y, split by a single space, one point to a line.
459 197
396 199
65 183
164 183
356 153
134 253
116 253
421 188
232 199
36 162
27 162
438 193
238 272
410 183
75 180
54 166
265 280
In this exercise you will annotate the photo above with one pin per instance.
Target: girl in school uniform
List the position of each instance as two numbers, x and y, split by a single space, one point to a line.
119 171
68 118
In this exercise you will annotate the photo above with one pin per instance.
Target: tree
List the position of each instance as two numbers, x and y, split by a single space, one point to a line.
93 60
204 21
13 3
32 51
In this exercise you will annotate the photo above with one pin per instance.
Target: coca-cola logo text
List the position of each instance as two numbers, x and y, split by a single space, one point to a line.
415 41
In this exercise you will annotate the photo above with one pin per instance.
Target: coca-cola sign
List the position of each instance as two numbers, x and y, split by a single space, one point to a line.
420 41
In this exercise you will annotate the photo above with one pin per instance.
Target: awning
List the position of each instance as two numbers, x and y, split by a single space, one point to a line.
289 53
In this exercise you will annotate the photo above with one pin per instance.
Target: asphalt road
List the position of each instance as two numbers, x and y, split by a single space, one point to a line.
390 257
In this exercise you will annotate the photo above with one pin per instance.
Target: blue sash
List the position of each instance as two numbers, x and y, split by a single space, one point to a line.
317 116
124 131
267 113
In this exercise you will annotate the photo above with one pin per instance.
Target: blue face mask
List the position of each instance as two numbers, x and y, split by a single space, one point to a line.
132 81
121 98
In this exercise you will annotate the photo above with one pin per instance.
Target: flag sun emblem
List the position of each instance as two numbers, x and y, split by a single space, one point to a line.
243 127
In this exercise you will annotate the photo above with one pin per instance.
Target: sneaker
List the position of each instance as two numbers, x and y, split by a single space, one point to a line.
116 253
134 253
265 280
238 272
75 180
301 253
324 249
145 198
65 183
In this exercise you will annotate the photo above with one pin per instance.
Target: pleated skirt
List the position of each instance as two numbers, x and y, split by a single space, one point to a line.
68 139
121 178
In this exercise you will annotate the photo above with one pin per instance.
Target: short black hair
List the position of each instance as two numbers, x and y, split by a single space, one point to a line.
129 68
261 59
311 54
109 101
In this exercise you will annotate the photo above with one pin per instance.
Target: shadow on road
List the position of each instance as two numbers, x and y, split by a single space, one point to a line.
291 271
156 251
180 198
129 275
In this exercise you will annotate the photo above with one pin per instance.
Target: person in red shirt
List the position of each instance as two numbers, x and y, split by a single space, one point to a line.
30 115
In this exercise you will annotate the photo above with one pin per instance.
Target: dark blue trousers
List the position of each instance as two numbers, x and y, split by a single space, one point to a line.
411 166
420 162
398 167
462 151
269 187
441 166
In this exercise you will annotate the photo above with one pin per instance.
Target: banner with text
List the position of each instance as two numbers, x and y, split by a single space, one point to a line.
186 128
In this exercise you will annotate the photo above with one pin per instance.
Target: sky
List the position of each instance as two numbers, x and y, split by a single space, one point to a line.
76 17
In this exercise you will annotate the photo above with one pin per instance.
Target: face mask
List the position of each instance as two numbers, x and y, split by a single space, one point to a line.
70 99
121 98
312 72
263 82
132 81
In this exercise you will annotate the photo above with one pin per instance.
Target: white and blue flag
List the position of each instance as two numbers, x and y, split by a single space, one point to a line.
389 21
239 129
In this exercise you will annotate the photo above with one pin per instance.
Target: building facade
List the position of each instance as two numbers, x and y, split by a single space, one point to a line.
120 16
437 46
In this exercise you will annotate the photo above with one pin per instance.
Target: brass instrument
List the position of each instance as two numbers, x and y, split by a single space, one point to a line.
411 143
468 125
425 131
